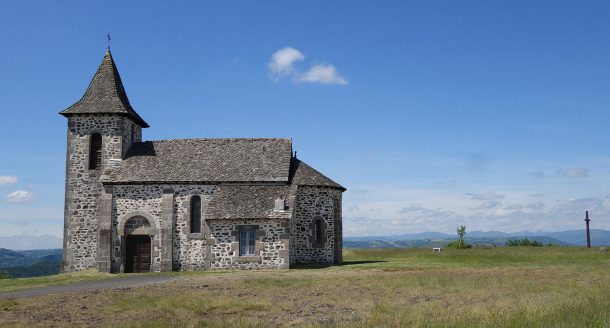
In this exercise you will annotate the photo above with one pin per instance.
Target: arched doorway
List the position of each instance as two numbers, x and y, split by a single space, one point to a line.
138 250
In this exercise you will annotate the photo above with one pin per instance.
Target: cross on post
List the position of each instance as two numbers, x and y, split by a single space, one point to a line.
108 37
587 220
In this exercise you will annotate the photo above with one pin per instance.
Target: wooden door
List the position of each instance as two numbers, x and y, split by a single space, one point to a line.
138 254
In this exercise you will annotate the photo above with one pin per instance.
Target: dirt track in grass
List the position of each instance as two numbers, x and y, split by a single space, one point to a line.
122 282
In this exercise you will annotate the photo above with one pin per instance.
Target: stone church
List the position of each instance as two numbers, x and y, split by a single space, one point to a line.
187 204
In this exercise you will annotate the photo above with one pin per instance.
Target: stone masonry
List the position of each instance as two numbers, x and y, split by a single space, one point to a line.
83 190
216 247
315 203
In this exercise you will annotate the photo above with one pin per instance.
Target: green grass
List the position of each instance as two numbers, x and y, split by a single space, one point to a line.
495 287
478 257
12 284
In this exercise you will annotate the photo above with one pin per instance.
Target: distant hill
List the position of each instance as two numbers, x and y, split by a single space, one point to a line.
412 236
578 237
12 258
479 238
30 263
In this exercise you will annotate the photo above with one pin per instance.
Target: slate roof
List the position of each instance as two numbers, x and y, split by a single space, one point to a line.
249 202
105 94
304 175
203 160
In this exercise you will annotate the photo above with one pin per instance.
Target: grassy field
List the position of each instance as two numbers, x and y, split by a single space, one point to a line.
7 285
495 287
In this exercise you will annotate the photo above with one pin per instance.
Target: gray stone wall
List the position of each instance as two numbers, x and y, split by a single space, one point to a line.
279 242
271 245
128 134
188 250
83 191
312 204
215 247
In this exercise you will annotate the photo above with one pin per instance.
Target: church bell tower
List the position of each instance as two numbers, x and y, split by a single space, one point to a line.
102 126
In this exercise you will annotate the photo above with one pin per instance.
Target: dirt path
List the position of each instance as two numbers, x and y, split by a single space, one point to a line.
123 282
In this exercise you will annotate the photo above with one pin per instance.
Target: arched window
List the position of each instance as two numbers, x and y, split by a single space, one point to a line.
95 152
195 214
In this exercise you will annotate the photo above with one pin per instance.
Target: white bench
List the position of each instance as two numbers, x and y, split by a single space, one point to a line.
436 249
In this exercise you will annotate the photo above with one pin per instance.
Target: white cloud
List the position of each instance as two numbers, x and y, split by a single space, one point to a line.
324 74
535 206
574 172
19 196
410 210
565 215
486 196
490 204
282 62
7 179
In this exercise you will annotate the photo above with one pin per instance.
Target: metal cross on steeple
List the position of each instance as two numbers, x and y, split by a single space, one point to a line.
108 37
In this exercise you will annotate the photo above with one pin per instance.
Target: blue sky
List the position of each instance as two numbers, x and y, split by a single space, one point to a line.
433 114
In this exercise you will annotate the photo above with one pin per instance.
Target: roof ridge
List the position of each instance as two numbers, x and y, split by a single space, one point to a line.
214 139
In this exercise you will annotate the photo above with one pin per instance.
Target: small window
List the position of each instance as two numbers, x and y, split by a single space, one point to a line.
318 233
95 152
247 242
196 214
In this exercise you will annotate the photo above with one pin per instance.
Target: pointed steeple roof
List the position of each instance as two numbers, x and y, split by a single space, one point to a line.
105 95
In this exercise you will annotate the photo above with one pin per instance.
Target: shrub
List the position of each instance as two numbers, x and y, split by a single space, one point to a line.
523 242
460 242
457 244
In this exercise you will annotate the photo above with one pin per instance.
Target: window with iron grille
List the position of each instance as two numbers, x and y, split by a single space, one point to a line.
195 214
247 242
95 152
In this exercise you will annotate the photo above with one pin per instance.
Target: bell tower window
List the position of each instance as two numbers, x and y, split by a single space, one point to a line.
95 152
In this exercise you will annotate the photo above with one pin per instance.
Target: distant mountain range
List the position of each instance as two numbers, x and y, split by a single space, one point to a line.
40 262
32 263
481 238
